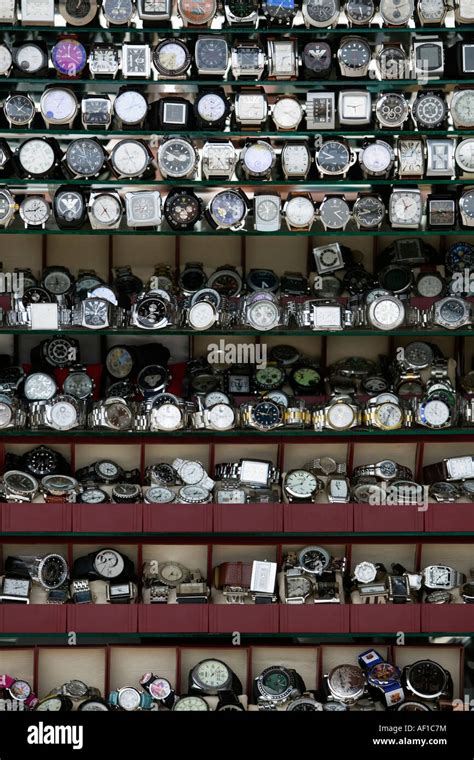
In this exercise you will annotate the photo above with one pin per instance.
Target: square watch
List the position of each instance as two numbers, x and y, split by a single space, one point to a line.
136 61
355 107
441 212
428 58
143 208
320 110
37 12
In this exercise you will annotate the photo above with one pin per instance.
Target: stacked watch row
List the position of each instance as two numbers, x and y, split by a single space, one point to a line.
309 574
249 109
374 683
212 56
228 209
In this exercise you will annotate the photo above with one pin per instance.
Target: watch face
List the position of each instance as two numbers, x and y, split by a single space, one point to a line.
96 112
427 678
79 12
462 108
57 281
392 110
355 107
333 157
52 704
405 208
36 156
228 209
298 586
392 62
313 559
307 378
30 58
109 563
346 681
131 107
429 57
317 57
411 157
129 699
143 207
360 11
396 12
130 158
335 213
266 414
262 315
171 58
69 205
95 313
340 416
435 413
151 311
258 158
301 483
85 157
20 482
159 495
365 572
19 109
377 158
369 212
183 209
6 205
69 57
53 571
269 377
429 110
441 212
267 209
300 211
135 60
154 8
467 204
119 362
118 11
197 11
212 674
287 114
106 209
322 11
34 210
93 496
39 387
248 60
355 54
211 54
251 107
193 494
211 107
191 703
176 157
432 10
465 155
103 59
221 416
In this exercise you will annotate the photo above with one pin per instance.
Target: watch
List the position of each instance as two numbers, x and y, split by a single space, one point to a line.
257 160
334 158
320 13
8 207
136 61
354 56
69 207
405 209
295 159
430 110
130 108
320 110
287 113
143 209
104 210
449 469
461 108
6 60
282 55
37 157
218 159
392 61
197 12
466 207
431 12
377 159
247 60
85 157
316 59
250 108
355 107
395 14
130 158
465 59
299 211
411 158
104 61
211 56
428 57
211 108
391 110
96 111
359 12
69 57
334 212
34 211
118 12
464 156
177 157
151 11
276 686
172 59
19 110
8 12
340 413
463 12
227 210
30 58
441 211
369 211
37 13
267 212
78 13
242 13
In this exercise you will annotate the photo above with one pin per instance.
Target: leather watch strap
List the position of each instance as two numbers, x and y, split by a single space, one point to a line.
433 473
233 574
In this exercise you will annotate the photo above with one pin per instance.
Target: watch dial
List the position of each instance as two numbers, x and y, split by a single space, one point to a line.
69 57
96 112
322 11
197 11
176 157
296 159
258 158
151 311
301 483
392 110
5 59
57 282
35 210
462 107
106 209
467 204
183 209
211 107
212 54
131 107
20 109
135 59
405 208
396 12
392 63
103 59
287 114
267 209
6 205
118 11
30 58
340 416
85 157
429 110
69 205
79 9
109 563
262 315
36 156
411 157
317 56
269 377
213 674
335 213
119 362
432 10
39 387
130 158
307 378
377 157
171 57
276 682
427 678
355 54
191 703
370 212
465 155
129 699
300 211
360 11
227 208
333 157
266 414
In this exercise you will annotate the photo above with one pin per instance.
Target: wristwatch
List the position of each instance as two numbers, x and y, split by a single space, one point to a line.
247 60
104 61
323 314
242 14
267 212
295 159
282 57
340 413
211 108
250 107
105 210
218 159
354 56
299 211
211 56
392 61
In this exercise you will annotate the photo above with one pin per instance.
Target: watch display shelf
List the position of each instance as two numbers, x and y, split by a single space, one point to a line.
110 667
456 617
449 27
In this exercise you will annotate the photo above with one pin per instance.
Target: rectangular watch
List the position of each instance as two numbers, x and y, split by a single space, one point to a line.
320 110
267 211
440 157
282 58
37 12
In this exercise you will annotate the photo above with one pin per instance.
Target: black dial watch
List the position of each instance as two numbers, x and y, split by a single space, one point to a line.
39 462
183 209
430 110
317 59
170 113
70 207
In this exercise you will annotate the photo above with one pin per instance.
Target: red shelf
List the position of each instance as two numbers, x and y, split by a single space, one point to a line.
28 618
107 518
449 518
314 618
173 618
36 518
248 518
385 618
102 618
388 519
447 617
245 618
318 518
177 518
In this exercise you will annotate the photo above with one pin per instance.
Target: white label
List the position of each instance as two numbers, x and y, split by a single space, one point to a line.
461 467
44 316
255 473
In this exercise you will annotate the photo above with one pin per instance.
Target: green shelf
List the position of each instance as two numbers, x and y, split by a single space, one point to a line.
195 135
246 31
197 435
240 333
315 232
316 184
